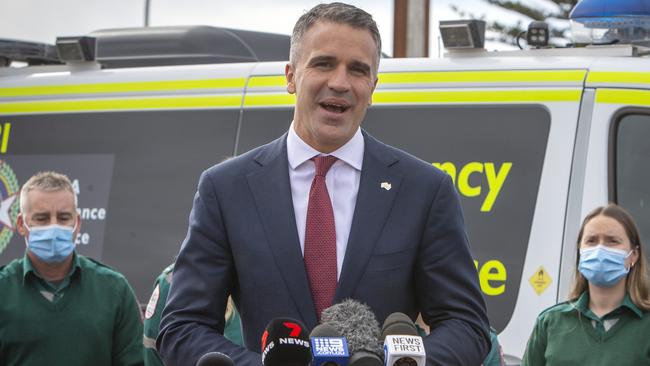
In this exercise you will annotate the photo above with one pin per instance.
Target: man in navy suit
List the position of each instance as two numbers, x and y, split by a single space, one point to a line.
324 213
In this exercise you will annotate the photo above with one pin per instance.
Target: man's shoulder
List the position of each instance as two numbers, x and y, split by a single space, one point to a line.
169 269
166 275
408 163
248 161
100 271
11 270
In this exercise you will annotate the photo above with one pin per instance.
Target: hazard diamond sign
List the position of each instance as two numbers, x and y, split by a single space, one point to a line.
540 280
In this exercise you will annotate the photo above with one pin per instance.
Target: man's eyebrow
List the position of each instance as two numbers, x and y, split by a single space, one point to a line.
321 58
40 215
361 65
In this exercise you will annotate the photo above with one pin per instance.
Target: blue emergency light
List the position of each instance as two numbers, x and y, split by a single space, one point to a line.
611 21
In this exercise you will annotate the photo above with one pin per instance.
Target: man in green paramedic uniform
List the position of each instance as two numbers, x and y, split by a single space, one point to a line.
232 329
59 307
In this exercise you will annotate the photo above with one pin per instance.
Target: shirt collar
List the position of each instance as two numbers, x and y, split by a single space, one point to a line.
298 151
28 267
627 302
582 304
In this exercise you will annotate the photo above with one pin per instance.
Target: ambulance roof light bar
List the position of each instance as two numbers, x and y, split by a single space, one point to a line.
611 21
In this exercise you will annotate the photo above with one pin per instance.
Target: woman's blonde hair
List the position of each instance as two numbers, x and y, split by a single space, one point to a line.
637 282
230 307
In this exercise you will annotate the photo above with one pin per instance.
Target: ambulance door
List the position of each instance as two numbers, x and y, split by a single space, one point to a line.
617 165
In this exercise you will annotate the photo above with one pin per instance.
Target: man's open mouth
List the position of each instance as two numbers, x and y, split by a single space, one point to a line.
334 107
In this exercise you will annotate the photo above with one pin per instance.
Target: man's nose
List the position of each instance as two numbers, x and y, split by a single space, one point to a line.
339 80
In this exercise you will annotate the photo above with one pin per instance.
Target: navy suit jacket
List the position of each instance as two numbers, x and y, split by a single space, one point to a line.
407 251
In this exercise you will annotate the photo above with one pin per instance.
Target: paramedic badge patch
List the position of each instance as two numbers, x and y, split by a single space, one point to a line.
153 302
9 205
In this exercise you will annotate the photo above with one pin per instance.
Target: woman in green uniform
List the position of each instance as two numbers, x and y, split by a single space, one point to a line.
607 319
153 313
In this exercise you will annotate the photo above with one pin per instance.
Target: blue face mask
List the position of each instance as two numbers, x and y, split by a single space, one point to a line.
52 243
603 266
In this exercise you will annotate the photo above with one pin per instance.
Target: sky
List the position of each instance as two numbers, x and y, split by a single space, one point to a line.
44 20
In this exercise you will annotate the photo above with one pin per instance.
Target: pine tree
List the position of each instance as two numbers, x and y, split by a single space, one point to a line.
508 33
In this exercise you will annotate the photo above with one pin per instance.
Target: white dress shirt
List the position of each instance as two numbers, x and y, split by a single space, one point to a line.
342 182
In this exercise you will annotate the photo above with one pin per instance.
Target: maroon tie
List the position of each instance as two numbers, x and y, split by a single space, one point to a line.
320 238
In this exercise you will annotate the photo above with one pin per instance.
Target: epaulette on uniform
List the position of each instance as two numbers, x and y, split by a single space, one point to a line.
97 262
559 307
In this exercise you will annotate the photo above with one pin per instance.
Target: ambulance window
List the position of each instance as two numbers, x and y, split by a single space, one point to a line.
632 175
262 125
136 173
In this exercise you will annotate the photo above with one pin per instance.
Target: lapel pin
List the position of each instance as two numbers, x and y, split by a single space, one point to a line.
387 186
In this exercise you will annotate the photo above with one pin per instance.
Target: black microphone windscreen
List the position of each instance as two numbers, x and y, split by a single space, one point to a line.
402 344
285 342
357 323
363 358
398 324
215 359
324 330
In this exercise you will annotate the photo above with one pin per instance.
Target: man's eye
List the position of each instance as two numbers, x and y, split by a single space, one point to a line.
360 71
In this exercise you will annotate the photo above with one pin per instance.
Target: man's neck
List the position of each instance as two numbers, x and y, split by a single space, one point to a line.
603 300
51 272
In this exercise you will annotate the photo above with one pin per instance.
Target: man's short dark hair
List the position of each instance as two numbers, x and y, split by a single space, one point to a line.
336 13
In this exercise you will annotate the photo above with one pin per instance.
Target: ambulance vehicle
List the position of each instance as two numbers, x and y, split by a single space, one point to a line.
533 140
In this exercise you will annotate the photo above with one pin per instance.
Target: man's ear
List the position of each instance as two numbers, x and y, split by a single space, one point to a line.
20 224
290 75
372 92
78 227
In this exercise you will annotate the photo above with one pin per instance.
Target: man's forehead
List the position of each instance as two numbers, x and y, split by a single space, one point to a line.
331 49
61 199
326 26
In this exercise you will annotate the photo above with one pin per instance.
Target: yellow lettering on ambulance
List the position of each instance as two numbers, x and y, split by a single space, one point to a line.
463 179
4 131
495 183
490 272
495 179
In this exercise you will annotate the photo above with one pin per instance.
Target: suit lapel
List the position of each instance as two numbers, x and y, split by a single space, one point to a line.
272 192
378 188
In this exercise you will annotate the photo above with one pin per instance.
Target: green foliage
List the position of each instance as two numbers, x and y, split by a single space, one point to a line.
510 32
519 8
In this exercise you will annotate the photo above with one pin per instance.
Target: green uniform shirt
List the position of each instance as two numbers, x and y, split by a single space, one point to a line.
153 313
571 334
90 318
495 357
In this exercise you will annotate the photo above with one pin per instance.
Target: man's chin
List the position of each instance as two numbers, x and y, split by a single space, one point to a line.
331 140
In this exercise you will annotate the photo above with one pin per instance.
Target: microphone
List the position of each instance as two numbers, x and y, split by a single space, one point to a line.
402 344
358 324
215 359
285 342
328 347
